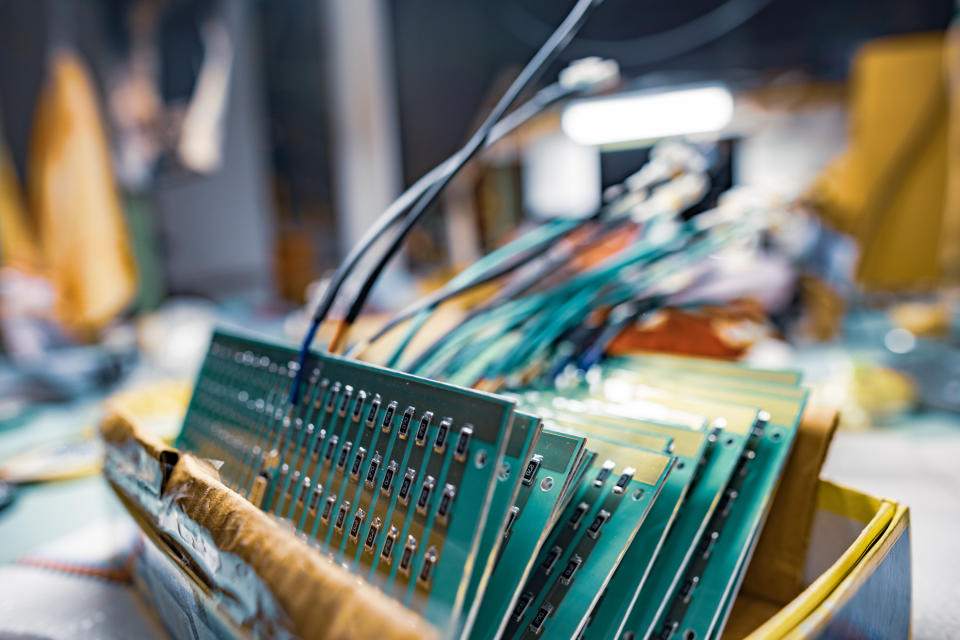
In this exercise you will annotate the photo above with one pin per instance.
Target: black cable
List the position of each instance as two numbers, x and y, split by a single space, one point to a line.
654 47
521 114
543 99
530 73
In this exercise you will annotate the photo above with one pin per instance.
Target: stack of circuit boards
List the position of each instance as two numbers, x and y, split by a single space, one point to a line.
624 506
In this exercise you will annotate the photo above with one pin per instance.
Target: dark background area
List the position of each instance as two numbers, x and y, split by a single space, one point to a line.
449 54
450 61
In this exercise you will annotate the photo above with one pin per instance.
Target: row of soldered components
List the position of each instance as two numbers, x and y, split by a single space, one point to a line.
370 479
272 480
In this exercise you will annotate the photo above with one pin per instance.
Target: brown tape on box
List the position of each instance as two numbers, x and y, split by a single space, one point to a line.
319 598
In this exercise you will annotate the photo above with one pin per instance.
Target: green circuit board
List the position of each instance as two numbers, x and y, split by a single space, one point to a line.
588 541
748 503
712 479
391 474
519 458
560 463
667 364
471 512
701 600
690 447
719 457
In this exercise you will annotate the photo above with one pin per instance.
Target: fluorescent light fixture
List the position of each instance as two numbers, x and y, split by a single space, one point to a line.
648 115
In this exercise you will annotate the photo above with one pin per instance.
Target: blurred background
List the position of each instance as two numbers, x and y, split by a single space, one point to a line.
170 165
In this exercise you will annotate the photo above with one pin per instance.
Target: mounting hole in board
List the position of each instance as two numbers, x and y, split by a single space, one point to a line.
546 484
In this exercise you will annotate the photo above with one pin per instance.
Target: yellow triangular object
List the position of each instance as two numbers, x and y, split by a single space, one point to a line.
888 189
82 229
18 244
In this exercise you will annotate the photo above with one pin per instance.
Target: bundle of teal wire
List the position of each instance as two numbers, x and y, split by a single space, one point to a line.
523 332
